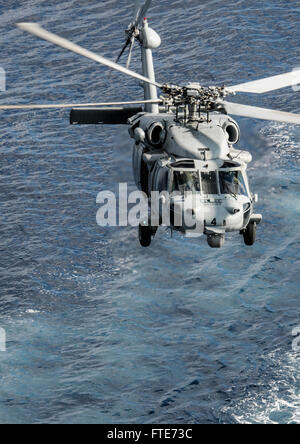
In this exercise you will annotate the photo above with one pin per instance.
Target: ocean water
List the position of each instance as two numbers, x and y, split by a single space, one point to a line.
98 329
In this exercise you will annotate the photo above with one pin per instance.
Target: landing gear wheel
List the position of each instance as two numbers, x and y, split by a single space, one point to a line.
216 241
250 234
145 236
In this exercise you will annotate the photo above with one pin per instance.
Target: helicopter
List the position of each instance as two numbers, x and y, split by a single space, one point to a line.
184 139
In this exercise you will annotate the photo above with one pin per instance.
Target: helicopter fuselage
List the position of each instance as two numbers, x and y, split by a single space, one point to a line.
195 162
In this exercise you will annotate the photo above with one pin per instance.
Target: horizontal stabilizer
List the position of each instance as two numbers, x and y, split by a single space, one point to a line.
103 116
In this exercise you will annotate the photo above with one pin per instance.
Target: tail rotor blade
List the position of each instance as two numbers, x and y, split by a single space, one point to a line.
130 53
137 10
122 52
143 11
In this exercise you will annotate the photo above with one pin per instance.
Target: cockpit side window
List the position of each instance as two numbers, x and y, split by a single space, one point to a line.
242 185
184 181
209 183
232 182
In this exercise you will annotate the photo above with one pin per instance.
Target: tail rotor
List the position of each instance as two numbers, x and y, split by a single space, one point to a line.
133 30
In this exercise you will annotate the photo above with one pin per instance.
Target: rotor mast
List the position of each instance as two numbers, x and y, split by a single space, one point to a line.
149 40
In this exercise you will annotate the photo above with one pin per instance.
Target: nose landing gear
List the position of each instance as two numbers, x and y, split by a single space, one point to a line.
216 240
145 235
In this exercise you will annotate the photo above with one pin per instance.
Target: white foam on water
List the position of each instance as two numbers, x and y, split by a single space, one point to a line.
278 405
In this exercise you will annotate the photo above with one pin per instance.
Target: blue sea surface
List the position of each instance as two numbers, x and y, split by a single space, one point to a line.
98 329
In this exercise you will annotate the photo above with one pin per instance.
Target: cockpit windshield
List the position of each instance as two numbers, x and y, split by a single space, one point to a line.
232 182
209 183
186 181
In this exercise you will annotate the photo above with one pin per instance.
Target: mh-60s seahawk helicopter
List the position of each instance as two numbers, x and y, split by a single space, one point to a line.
184 139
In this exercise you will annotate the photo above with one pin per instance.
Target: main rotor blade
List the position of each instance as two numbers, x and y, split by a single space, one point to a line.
38 31
130 53
260 113
137 9
77 105
268 84
123 50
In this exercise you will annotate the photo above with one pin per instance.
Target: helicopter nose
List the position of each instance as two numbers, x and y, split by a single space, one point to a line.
233 207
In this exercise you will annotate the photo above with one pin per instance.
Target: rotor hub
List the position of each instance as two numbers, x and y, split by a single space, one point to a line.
194 94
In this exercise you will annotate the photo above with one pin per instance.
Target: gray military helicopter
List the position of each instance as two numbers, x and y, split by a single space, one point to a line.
184 140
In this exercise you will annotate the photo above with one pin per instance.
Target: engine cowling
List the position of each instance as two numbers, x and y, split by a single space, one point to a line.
232 131
156 134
